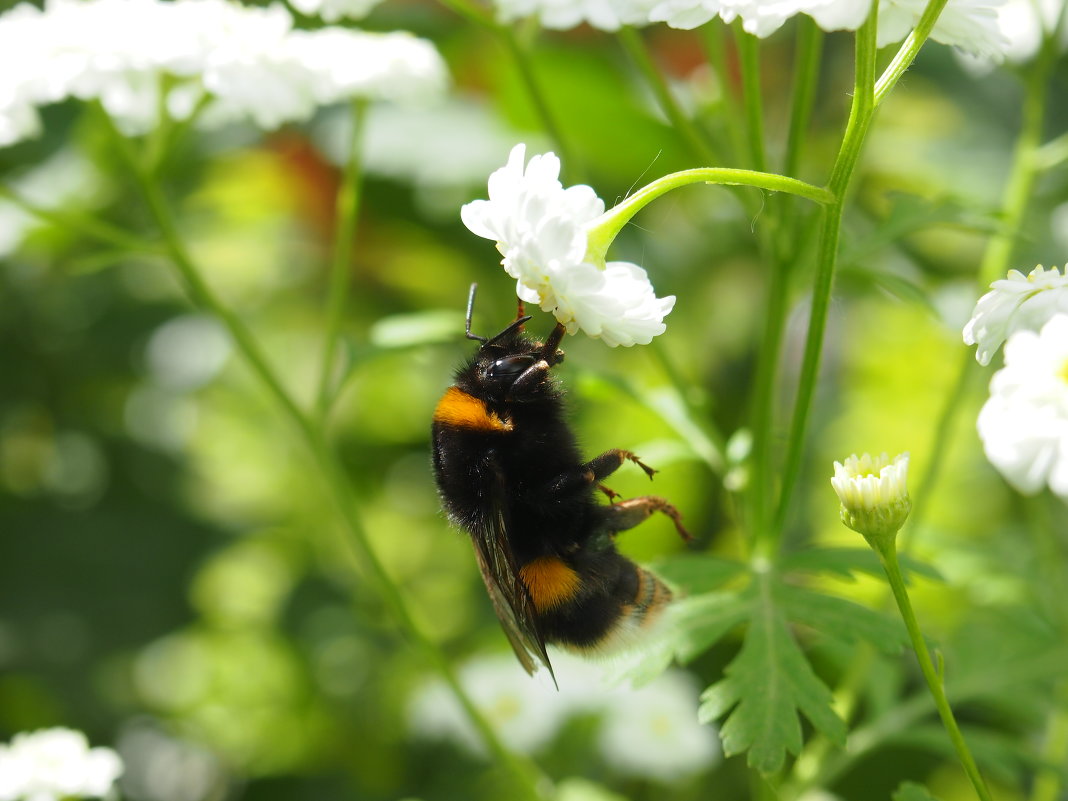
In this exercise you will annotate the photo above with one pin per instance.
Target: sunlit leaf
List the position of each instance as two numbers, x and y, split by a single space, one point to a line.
698 573
910 791
837 617
845 562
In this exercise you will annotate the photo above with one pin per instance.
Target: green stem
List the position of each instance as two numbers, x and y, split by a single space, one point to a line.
806 78
749 55
634 44
860 116
1048 782
608 225
1025 168
90 227
538 97
333 472
715 44
888 556
904 57
348 203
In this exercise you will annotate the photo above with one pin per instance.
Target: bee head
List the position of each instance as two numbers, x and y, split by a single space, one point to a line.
511 367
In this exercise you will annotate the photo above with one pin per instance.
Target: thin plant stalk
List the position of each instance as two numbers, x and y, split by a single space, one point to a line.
346 216
933 676
331 469
806 79
749 55
634 44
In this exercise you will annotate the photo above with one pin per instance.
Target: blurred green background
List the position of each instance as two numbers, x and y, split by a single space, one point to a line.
171 580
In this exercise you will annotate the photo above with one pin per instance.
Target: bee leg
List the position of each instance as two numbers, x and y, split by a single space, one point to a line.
594 470
629 513
611 493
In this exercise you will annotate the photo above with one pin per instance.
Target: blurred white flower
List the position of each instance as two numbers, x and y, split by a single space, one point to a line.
250 61
1024 424
333 10
1017 302
761 17
51 764
541 229
525 714
874 494
971 25
1023 24
606 15
653 732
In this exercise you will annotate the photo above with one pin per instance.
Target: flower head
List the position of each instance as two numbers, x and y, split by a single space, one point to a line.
51 764
605 15
542 231
874 495
1017 302
1024 423
333 10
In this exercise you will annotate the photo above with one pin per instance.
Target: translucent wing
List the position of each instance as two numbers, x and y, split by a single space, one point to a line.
511 600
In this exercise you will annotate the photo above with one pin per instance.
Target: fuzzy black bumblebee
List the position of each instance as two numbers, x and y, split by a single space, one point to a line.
510 473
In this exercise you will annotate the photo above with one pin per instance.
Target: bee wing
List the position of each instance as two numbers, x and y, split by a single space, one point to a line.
510 597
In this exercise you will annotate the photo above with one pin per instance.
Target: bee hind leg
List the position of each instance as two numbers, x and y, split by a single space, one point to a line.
629 513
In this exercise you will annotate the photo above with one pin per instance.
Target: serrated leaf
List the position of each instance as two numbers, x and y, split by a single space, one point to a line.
698 573
769 684
910 791
843 619
846 562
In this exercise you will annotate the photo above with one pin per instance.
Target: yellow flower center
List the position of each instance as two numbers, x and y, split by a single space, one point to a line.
504 708
1063 372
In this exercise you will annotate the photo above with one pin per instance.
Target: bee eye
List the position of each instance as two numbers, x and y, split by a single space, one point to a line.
510 367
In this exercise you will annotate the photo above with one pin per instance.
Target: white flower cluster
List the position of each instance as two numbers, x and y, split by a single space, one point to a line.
650 732
53 764
1024 423
971 25
541 229
244 62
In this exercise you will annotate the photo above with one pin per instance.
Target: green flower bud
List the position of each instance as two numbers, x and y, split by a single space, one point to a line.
874 496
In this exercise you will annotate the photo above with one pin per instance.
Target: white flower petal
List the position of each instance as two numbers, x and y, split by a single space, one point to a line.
1015 303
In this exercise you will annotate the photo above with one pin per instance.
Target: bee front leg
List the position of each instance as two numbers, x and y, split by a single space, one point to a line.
629 513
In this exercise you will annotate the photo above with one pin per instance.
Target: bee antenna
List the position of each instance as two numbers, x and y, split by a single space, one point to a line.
515 326
470 311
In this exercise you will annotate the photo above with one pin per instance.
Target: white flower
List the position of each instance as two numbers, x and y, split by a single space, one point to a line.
971 25
606 15
333 10
1024 424
51 764
541 229
250 61
874 495
1023 23
653 731
1017 302
525 714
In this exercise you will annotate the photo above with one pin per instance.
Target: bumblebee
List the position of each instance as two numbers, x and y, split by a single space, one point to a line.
510 473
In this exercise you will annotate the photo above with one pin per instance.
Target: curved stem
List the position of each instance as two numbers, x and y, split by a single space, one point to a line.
608 225
888 557
348 203
634 44
327 462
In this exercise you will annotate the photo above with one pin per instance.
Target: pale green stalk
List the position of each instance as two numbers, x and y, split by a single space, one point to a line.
332 471
346 215
806 79
749 56
933 677
87 225
860 115
698 142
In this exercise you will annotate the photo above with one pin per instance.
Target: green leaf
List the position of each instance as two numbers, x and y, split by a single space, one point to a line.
766 688
697 573
846 562
910 791
842 619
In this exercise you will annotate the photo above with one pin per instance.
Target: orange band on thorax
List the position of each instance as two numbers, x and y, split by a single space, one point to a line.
550 582
457 408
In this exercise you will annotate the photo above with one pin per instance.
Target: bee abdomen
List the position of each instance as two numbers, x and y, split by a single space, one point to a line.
649 601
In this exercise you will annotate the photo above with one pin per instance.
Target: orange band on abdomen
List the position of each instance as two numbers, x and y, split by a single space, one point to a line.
457 408
550 582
